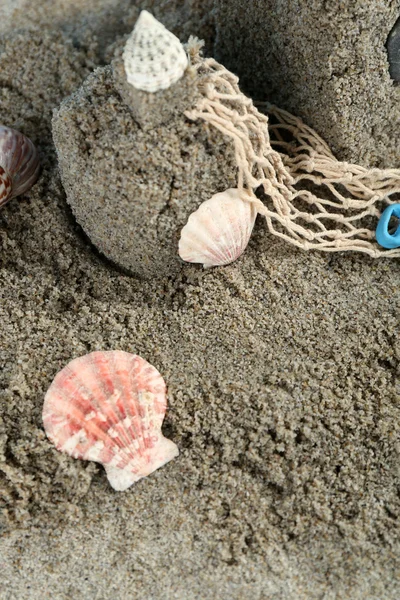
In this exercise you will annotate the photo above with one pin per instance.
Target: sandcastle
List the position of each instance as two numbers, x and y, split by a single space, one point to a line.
325 62
308 197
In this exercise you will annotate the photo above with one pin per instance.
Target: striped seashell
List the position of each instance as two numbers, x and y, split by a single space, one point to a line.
218 232
108 407
19 164
154 58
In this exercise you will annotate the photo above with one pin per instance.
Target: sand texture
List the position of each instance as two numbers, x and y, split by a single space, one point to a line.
97 23
282 371
133 186
325 61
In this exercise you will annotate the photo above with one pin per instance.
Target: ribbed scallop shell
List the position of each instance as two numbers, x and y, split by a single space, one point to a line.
109 407
218 232
19 164
154 58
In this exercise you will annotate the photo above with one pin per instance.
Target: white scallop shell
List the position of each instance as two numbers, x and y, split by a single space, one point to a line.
154 58
218 232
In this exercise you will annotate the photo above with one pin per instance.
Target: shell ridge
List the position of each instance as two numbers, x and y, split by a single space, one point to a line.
198 236
149 420
125 456
228 234
96 397
96 394
19 159
136 432
65 387
237 230
121 440
8 156
151 407
74 427
136 421
5 186
108 407
198 244
219 230
144 407
78 427
127 398
15 154
27 172
236 242
101 367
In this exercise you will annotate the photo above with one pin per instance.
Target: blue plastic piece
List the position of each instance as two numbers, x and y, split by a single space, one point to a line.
383 237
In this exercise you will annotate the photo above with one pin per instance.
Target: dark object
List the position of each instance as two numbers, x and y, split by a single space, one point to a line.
393 48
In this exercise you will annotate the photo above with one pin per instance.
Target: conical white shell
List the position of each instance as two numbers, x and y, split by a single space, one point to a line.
154 58
218 232
19 164
109 407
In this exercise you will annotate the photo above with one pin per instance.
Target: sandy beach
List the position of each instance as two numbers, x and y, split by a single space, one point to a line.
282 372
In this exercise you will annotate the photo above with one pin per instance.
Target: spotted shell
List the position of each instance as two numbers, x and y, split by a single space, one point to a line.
108 407
218 232
154 58
19 164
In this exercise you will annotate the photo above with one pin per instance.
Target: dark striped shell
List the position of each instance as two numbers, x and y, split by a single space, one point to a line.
19 164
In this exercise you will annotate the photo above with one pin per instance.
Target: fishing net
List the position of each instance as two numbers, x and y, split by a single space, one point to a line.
308 197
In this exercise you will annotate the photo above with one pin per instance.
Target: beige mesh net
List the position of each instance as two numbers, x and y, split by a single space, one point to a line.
308 198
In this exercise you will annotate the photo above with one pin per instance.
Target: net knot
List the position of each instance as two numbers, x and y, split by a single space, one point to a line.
312 199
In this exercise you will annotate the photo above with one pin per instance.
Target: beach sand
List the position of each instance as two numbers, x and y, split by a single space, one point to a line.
283 390
323 60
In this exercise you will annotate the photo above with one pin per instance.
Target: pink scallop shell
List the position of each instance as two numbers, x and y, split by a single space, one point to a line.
108 407
19 164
